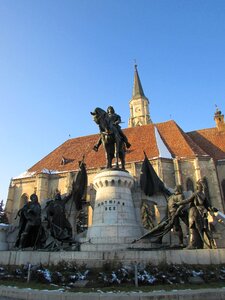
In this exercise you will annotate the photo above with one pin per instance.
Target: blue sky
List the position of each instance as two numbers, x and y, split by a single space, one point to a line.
61 59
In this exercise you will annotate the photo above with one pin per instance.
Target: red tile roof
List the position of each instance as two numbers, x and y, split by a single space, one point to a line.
177 141
211 141
142 138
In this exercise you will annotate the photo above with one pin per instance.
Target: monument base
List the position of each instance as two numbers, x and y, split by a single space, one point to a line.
119 247
127 257
3 230
114 219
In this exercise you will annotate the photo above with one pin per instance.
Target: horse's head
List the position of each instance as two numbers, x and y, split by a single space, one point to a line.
101 118
97 114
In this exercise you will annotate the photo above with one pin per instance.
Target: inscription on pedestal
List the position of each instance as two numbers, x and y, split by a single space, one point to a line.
114 219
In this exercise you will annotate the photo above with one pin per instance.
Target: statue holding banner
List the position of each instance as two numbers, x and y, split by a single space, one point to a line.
58 224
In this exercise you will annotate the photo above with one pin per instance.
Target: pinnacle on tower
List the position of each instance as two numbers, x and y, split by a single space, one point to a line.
137 88
219 119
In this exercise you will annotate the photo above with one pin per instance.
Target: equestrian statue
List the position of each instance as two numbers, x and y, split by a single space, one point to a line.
112 137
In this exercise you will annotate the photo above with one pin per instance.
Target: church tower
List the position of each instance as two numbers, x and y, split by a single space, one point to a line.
219 119
139 104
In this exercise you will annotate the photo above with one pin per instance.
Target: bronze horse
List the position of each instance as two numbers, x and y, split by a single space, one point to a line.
110 138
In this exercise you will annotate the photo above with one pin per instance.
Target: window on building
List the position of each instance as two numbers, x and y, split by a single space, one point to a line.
190 185
223 188
206 189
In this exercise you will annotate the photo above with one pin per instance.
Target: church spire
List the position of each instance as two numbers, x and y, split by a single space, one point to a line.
137 88
139 104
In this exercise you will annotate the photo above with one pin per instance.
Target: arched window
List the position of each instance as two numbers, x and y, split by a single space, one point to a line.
223 188
206 189
190 185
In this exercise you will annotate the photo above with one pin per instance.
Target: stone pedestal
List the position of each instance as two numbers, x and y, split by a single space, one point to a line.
3 231
114 220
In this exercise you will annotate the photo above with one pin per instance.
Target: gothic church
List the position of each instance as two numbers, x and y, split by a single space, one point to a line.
178 157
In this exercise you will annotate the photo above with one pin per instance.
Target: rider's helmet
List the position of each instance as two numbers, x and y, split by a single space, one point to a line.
110 110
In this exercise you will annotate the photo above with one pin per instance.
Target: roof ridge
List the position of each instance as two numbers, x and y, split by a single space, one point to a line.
189 139
203 129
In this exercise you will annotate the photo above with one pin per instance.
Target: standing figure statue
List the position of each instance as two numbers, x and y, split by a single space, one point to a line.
30 224
176 214
198 221
60 227
22 221
111 136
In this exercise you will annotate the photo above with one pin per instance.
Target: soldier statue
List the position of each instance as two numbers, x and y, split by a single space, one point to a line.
176 214
198 218
60 227
30 223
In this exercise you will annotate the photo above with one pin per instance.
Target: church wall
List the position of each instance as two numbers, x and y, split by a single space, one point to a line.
157 203
41 188
200 168
55 182
45 186
187 170
62 182
165 170
208 171
17 189
221 178
221 170
168 173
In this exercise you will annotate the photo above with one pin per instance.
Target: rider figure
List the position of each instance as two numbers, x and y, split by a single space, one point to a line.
115 120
